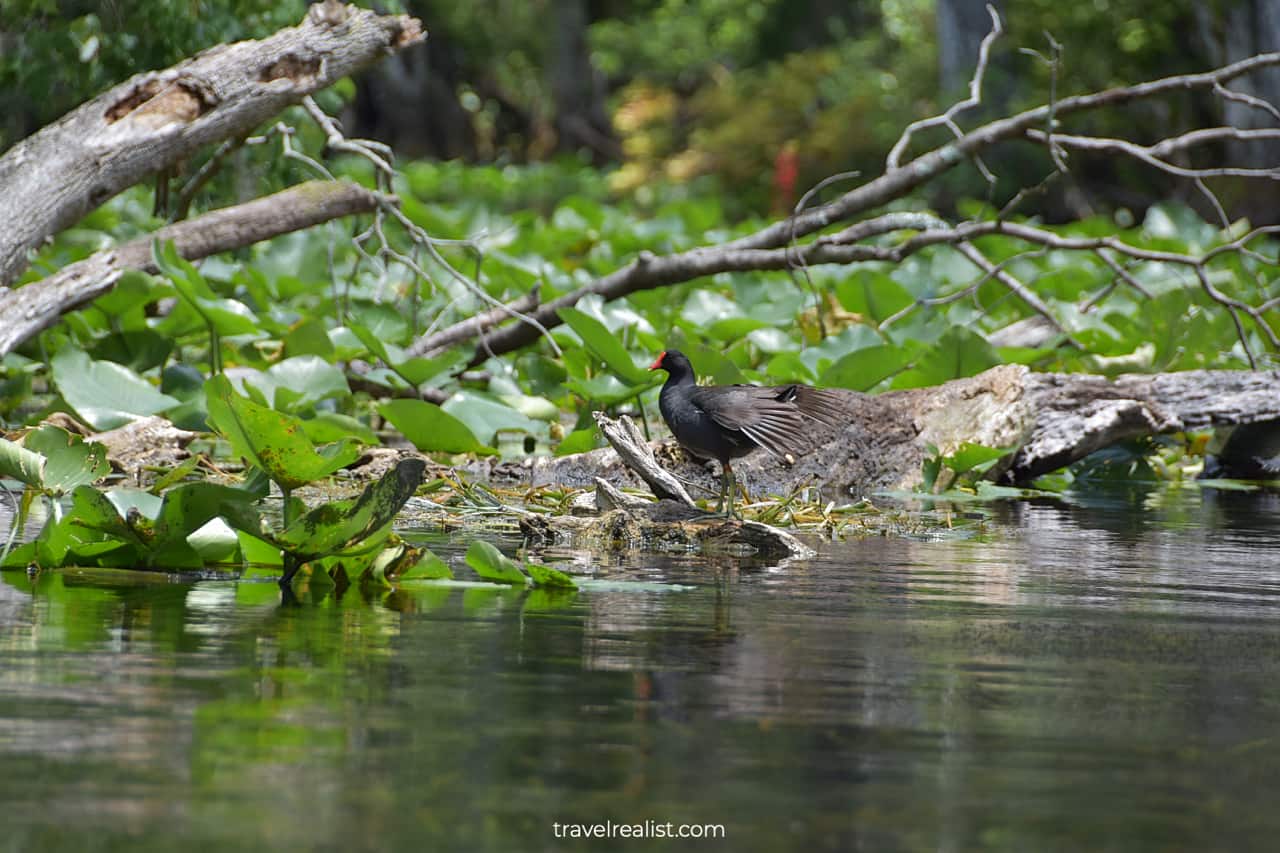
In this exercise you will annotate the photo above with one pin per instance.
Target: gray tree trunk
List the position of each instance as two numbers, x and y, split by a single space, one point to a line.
581 119
961 26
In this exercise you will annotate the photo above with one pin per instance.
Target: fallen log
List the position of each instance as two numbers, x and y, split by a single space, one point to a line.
1053 419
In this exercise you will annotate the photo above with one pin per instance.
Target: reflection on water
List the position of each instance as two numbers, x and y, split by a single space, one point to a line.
1100 676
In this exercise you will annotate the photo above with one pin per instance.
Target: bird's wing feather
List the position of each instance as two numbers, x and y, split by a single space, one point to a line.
775 425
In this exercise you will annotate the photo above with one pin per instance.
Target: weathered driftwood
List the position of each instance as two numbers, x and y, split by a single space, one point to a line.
152 121
1054 419
663 526
29 310
1076 415
674 523
636 452
147 442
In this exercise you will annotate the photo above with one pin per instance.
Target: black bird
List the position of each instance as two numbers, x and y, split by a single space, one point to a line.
724 422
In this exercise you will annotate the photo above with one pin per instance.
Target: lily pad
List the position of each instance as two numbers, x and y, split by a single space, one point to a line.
70 461
431 429
105 394
604 345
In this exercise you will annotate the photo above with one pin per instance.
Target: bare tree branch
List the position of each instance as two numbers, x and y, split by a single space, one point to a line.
1146 155
30 309
760 250
948 119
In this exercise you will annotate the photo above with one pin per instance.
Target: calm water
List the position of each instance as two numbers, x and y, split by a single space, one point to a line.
1098 677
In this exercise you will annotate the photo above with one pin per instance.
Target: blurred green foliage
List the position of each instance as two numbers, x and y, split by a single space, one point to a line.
717 89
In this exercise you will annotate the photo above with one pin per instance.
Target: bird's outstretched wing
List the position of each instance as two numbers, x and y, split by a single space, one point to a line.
773 418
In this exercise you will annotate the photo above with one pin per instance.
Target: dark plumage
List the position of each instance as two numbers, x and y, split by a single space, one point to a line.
724 422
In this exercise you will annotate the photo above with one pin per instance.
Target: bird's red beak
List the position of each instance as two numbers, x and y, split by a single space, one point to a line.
657 362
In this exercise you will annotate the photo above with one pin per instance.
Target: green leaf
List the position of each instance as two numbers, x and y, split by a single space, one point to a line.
93 510
309 337
139 349
431 429
214 542
863 369
788 367
958 353
604 390
70 461
105 394
713 365
545 576
872 294
347 525
190 507
383 567
272 441
299 383
427 567
413 370
19 463
257 551
333 426
733 328
20 557
383 321
970 456
176 474
605 346
490 563
225 316
578 441
486 417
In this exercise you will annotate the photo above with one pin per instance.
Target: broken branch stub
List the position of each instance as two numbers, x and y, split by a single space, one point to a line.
635 451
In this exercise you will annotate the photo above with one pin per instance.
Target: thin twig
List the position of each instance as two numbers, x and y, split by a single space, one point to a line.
947 119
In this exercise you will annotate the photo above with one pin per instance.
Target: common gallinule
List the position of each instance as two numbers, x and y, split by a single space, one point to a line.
724 422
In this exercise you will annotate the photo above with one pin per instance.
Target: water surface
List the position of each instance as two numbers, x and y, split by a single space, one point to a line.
1100 676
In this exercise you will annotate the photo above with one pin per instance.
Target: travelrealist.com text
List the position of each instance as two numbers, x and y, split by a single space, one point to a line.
647 829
